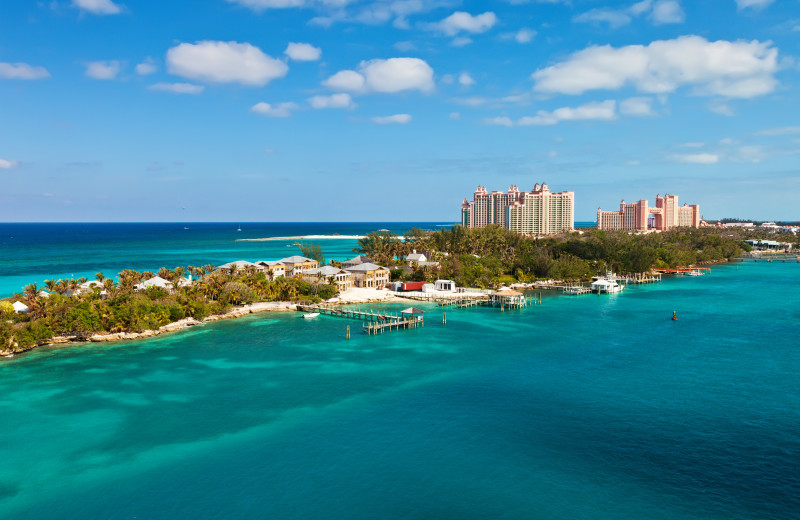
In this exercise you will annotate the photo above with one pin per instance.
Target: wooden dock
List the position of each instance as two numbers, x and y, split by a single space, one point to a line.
375 322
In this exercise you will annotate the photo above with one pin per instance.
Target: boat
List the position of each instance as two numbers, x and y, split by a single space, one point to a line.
606 284
239 229
311 315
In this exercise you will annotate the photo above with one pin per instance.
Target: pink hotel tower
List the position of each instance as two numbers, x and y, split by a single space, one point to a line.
667 215
535 212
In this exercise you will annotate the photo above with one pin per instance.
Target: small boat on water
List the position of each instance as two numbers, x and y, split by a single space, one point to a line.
606 284
311 315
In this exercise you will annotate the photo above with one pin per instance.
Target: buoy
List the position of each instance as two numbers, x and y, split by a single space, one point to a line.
348 332
444 318
674 316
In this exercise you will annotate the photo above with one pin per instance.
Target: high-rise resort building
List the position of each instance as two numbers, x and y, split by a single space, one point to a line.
535 212
666 215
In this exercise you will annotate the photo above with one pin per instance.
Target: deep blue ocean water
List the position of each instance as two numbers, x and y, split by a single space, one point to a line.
591 407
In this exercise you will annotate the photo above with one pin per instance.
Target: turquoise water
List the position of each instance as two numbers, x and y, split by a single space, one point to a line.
582 408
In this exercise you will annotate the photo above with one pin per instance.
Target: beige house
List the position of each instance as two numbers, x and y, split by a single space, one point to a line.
273 268
369 275
297 265
239 265
329 275
360 259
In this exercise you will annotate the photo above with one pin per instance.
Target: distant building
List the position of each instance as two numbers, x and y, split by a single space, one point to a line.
360 259
329 275
297 265
272 268
537 212
667 214
369 275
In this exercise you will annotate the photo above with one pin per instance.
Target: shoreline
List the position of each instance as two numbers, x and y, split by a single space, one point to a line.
302 237
185 323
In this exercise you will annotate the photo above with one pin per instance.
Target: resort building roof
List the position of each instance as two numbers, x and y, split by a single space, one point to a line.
365 267
360 259
155 281
20 307
295 260
238 264
269 263
326 270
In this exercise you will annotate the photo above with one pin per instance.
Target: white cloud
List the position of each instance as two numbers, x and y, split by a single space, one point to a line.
463 21
7 165
499 121
100 7
339 100
755 4
751 154
22 71
721 108
667 11
103 69
694 144
387 76
461 41
783 130
147 67
605 110
465 80
732 69
697 158
177 88
303 52
637 106
524 35
278 110
397 119
659 12
261 5
455 116
224 62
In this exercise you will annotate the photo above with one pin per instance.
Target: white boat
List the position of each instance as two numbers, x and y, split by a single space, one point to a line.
311 315
607 284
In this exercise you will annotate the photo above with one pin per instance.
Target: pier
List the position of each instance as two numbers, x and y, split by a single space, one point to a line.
375 322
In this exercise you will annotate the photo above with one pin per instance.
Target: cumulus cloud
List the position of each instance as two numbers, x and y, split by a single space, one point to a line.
739 69
637 106
303 52
224 62
524 35
147 67
659 12
387 76
103 69
5 164
754 4
696 158
277 110
22 71
339 100
101 7
177 88
605 110
465 80
461 21
397 119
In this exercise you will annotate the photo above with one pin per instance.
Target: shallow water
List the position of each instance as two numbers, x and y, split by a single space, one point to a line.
591 407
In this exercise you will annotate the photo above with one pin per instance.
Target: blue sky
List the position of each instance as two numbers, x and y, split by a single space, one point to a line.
371 110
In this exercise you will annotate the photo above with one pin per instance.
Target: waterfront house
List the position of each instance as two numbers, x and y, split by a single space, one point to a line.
445 285
329 275
239 265
273 268
506 296
91 285
296 265
416 257
154 282
20 307
360 259
369 275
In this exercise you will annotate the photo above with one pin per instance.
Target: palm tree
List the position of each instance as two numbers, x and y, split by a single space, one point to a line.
51 285
100 277
31 291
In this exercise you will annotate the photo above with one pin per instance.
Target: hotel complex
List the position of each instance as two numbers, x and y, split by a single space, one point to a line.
666 215
535 212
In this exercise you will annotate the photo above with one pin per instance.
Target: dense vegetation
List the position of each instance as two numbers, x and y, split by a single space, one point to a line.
117 307
489 256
